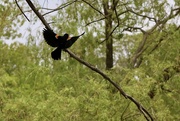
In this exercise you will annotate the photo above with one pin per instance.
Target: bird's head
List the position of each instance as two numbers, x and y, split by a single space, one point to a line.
66 36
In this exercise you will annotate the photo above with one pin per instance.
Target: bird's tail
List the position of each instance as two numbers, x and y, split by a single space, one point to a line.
56 54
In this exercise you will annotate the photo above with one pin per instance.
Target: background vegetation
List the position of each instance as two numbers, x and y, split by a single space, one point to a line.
143 38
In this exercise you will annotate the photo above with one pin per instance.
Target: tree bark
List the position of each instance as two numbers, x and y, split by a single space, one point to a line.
108 35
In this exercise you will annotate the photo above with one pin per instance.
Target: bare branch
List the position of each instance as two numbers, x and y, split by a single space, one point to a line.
122 13
21 10
95 21
176 9
144 16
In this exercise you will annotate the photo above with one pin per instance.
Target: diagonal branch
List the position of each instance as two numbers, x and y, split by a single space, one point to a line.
139 106
95 21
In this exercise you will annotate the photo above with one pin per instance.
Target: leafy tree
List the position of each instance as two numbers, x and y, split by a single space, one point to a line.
34 87
107 21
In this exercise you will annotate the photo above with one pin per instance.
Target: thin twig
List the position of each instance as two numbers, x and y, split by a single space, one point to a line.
60 7
95 21
93 7
122 115
21 10
38 14
138 14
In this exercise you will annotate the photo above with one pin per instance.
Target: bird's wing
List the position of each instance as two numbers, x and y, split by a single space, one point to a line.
71 41
50 37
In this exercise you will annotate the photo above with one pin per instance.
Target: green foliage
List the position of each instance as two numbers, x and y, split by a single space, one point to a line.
34 87
9 19
65 90
149 79
40 93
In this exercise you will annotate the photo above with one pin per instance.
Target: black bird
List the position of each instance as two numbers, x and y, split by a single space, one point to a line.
61 42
